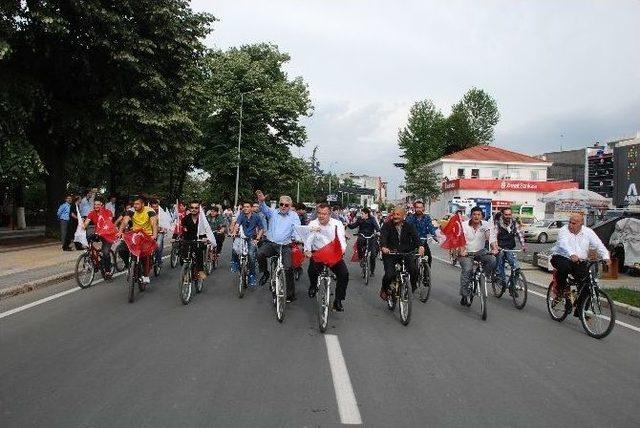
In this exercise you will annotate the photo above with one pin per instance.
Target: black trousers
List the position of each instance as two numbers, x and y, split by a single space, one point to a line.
580 271
361 245
269 249
219 241
342 276
389 261
72 225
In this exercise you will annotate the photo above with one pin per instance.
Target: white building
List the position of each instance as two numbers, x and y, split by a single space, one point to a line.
376 184
502 176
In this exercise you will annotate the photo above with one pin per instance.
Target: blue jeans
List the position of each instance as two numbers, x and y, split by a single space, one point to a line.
251 262
158 252
508 257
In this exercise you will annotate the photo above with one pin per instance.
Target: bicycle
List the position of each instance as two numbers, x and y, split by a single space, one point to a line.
189 279
90 261
323 298
479 288
401 289
243 268
365 262
424 275
175 252
134 277
278 283
210 259
517 284
597 313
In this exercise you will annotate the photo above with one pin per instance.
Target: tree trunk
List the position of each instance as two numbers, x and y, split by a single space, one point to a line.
18 205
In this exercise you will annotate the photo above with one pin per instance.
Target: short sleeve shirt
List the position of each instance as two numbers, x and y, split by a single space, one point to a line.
250 225
142 220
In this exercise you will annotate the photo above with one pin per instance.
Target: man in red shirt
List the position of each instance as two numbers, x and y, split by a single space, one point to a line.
105 230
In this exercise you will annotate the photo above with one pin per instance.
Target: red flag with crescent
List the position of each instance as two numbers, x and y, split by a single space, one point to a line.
139 243
454 233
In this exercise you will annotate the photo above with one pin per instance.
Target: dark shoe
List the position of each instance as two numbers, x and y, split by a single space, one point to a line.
291 299
337 306
383 295
463 301
469 300
372 274
264 279
313 291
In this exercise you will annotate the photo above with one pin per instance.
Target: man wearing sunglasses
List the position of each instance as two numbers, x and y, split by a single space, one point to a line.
281 227
190 233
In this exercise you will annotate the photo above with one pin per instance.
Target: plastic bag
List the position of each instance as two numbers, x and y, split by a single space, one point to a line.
81 236
239 246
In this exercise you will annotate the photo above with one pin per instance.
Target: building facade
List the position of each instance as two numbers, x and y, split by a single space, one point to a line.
494 176
376 184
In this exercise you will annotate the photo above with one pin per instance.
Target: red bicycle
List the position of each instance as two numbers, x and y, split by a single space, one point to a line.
90 262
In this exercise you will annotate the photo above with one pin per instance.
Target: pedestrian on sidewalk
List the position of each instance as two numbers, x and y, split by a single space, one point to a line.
74 215
63 215
86 204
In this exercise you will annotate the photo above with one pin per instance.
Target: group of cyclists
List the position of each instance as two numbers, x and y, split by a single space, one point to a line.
403 236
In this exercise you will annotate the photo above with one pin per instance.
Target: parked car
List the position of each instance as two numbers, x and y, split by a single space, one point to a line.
543 231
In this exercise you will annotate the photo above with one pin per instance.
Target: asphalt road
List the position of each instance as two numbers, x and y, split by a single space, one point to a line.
89 358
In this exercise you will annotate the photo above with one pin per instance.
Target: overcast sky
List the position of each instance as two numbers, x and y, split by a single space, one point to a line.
564 73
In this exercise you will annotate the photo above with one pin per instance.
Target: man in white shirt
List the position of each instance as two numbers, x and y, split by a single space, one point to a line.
572 247
476 233
325 229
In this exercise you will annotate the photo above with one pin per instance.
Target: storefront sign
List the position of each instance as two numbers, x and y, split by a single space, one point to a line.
508 185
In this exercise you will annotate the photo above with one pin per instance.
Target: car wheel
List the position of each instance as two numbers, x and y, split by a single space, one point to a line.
542 238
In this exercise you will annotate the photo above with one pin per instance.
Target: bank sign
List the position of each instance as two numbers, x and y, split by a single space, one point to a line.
508 185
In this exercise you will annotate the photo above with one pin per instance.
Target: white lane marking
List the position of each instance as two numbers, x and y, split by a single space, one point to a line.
55 296
544 296
347 404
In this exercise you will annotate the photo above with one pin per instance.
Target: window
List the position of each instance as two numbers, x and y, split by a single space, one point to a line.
460 172
495 173
515 174
534 175
475 173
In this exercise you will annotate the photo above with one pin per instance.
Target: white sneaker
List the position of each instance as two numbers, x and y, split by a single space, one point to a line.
146 279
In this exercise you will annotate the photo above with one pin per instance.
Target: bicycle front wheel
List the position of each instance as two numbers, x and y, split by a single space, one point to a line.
497 286
85 271
174 256
322 297
404 302
519 291
281 295
482 291
242 280
597 314
208 264
424 282
185 287
557 304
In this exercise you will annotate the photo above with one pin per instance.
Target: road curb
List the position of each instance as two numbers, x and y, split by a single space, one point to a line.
620 307
34 285
28 247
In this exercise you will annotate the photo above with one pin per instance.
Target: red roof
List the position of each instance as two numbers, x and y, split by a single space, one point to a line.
490 153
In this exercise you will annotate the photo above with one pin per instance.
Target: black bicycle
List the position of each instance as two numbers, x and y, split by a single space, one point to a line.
175 252
323 298
423 289
597 313
277 280
400 291
367 259
243 267
516 284
134 277
189 280
479 288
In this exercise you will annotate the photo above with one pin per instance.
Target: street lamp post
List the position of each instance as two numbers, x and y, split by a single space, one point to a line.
242 94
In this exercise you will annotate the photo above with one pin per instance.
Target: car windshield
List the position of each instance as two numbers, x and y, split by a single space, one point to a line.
541 223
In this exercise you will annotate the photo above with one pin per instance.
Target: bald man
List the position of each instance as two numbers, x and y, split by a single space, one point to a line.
572 248
398 236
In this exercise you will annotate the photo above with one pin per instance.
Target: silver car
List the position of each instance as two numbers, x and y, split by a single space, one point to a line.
543 231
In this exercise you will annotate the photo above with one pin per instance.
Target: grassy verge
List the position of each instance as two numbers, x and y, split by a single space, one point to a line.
625 295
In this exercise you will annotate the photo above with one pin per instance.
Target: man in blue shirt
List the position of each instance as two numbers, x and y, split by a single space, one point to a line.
281 231
263 220
64 210
86 204
252 228
424 225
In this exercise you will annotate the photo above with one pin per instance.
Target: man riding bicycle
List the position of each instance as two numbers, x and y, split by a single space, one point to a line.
99 214
281 231
252 227
218 225
367 226
190 233
476 233
142 219
506 230
402 237
572 247
327 228
423 225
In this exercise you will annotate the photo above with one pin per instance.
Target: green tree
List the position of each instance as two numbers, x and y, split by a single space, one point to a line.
422 140
423 183
111 81
271 110
472 121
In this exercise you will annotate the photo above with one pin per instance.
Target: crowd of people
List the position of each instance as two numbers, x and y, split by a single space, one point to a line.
269 230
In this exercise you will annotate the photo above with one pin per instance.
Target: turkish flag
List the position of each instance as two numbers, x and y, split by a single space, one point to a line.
330 254
103 220
355 257
139 243
454 233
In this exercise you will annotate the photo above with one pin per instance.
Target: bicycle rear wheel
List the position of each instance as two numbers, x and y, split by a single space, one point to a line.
482 294
557 304
597 314
520 290
404 301
367 268
131 281
185 287
281 295
424 282
322 297
157 268
175 253
85 271
208 262
497 286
